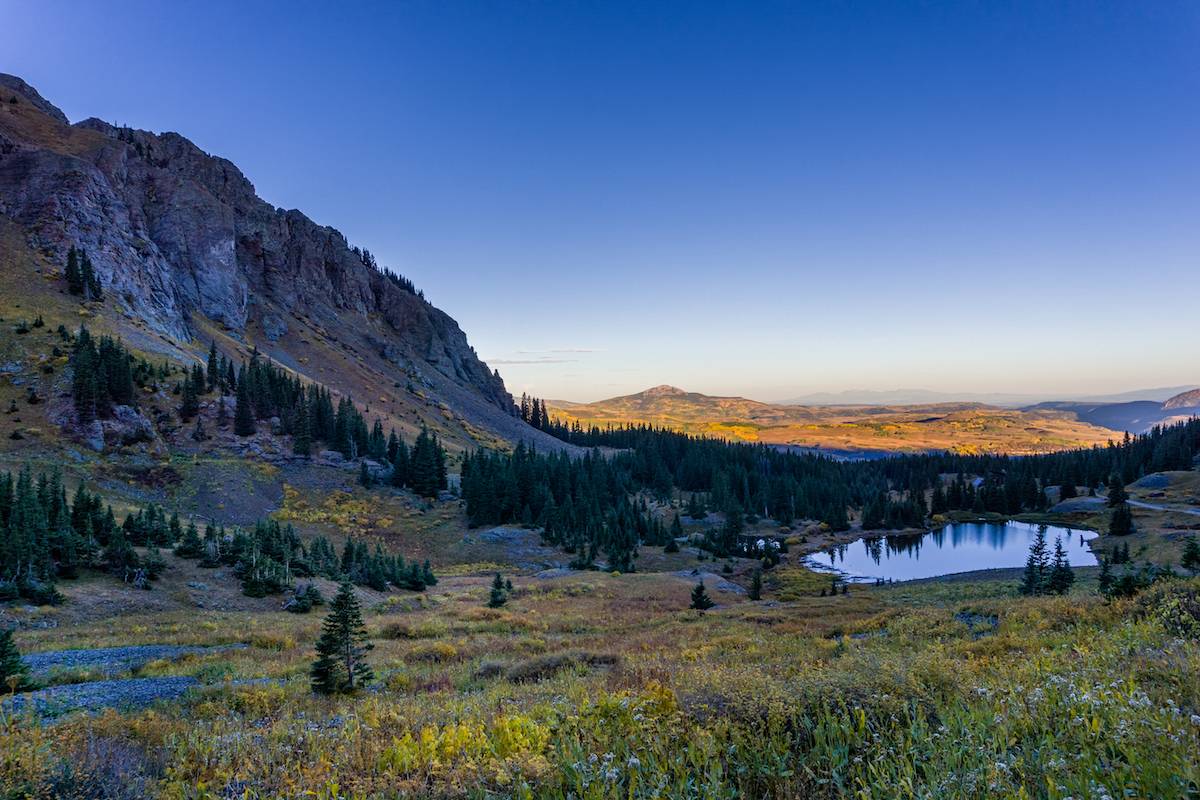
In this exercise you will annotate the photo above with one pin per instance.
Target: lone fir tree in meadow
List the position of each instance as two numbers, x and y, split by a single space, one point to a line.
499 593
700 599
341 666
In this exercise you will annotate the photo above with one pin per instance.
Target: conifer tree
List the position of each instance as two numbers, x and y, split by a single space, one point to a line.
302 436
190 405
1121 523
243 415
214 367
1116 491
190 546
91 281
1106 578
1061 576
341 666
498 596
74 273
1191 555
1037 565
14 673
700 599
756 585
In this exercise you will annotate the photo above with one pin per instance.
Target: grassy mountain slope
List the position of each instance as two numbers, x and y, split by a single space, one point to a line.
961 427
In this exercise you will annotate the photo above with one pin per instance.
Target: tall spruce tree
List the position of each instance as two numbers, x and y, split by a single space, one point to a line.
1121 523
189 404
74 273
700 599
1061 576
214 367
1116 491
341 666
243 415
1037 565
91 281
302 435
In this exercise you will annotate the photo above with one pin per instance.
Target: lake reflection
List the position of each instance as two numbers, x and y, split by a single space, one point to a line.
960 547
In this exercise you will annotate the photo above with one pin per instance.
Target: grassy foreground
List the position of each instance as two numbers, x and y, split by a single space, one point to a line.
603 686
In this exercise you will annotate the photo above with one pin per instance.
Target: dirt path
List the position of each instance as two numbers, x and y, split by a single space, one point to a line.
1189 510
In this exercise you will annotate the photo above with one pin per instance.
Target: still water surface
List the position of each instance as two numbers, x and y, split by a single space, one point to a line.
960 547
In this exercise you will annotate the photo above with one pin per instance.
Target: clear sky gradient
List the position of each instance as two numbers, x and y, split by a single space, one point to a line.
766 198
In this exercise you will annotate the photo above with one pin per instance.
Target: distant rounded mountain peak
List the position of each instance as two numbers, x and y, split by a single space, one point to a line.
664 390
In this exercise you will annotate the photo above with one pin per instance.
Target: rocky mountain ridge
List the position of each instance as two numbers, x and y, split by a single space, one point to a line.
183 244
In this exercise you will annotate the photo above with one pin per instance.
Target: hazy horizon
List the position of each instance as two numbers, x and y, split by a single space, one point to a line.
609 197
863 396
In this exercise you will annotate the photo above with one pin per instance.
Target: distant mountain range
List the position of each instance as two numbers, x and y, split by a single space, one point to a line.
844 429
1138 416
1008 400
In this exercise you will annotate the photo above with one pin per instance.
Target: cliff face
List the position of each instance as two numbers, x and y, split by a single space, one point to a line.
177 235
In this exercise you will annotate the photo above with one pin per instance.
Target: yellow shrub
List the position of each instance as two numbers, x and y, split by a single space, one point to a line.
272 641
437 652
258 701
518 736
398 682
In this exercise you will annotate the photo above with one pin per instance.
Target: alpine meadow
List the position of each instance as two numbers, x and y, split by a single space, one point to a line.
923 521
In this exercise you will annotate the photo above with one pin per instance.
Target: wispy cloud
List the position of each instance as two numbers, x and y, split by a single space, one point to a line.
493 361
562 350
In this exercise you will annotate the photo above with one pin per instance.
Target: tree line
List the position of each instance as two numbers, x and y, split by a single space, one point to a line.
587 505
584 505
269 557
46 537
105 374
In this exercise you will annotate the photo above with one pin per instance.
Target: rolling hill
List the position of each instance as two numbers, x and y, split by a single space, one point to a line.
1135 417
849 429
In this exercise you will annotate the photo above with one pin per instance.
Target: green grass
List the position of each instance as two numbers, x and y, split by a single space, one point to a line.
604 687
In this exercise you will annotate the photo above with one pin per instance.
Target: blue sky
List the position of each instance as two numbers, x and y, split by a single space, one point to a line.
763 198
